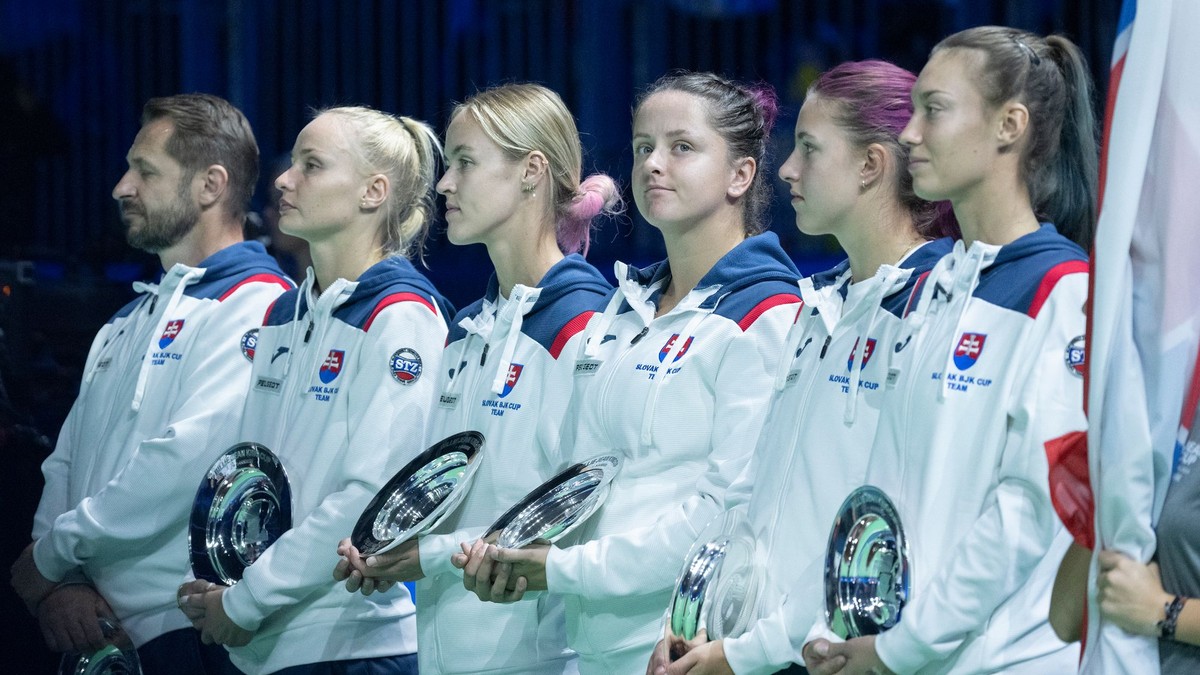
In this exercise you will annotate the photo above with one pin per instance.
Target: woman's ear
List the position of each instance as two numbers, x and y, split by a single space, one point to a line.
743 176
875 165
378 188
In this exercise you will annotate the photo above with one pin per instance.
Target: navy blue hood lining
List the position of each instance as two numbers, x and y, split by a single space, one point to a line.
1013 279
755 260
570 276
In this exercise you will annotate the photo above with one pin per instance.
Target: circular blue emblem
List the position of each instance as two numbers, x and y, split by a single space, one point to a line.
406 366
1076 356
249 343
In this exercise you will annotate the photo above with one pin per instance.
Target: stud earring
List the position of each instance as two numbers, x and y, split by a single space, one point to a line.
528 188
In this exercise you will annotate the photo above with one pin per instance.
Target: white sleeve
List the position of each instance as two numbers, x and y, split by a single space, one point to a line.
387 425
56 469
164 470
775 641
1018 523
646 559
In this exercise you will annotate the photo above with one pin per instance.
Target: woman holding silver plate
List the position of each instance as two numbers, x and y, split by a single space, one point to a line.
339 393
512 183
673 376
848 177
988 389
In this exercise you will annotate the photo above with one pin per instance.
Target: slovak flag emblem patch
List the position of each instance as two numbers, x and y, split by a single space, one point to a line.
969 349
510 382
332 367
866 357
170 333
666 349
249 343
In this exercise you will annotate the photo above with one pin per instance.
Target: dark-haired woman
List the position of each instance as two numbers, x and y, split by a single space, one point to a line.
989 386
684 353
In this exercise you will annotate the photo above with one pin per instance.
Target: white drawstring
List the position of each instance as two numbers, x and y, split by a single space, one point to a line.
893 277
305 294
509 321
183 280
663 371
979 252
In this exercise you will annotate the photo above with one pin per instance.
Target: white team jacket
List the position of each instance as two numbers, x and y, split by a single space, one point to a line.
680 399
816 440
341 391
511 385
162 392
989 385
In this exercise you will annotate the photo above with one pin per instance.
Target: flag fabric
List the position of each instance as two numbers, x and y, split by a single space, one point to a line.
1144 315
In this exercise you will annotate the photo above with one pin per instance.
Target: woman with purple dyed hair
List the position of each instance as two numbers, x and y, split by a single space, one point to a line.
848 177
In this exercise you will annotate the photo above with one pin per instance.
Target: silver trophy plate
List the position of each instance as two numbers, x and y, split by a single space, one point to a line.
867 566
419 495
118 658
243 505
555 507
720 585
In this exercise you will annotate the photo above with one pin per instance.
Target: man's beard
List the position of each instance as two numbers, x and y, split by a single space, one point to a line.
164 227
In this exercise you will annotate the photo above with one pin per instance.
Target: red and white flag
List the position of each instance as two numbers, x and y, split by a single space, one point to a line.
1144 319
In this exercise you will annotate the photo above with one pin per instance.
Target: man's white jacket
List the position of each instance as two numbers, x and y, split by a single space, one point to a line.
162 393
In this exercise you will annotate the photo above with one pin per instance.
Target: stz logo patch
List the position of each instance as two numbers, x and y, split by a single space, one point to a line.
249 343
866 357
406 366
332 367
969 349
510 382
1076 356
170 333
666 349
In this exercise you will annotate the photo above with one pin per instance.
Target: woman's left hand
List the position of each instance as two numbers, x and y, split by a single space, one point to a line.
1131 594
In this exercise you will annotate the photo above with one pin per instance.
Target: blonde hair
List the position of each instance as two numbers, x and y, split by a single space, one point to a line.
406 151
522 118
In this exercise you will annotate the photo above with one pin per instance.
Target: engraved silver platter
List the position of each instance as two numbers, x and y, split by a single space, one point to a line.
867 566
719 587
555 507
118 658
242 506
419 495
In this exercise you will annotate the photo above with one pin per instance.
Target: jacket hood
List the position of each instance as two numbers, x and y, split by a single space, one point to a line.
568 275
386 276
755 260
1045 240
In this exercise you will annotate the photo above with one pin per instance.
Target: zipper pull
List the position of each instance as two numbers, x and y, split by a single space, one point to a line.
639 336
483 356
153 302
825 347
308 331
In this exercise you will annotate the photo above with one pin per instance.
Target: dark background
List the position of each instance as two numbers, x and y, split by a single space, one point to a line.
75 73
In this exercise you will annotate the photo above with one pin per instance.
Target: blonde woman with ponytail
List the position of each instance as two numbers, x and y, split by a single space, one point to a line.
512 183
343 382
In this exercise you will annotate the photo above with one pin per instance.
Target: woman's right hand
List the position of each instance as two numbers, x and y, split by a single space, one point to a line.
1131 594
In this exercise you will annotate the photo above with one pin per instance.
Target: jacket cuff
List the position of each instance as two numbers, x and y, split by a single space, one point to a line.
242 607
902 651
564 570
48 561
747 655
